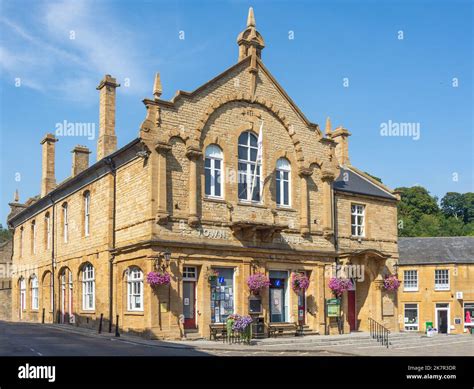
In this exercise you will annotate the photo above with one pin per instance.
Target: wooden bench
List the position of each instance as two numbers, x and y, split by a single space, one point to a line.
276 329
217 330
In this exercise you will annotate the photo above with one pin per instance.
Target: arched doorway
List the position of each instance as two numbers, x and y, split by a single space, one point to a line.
47 294
22 297
65 296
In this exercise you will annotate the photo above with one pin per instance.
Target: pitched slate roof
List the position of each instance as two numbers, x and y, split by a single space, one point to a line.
352 182
458 249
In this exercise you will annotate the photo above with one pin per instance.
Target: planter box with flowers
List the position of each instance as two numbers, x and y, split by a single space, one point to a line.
240 325
158 278
391 283
299 282
339 285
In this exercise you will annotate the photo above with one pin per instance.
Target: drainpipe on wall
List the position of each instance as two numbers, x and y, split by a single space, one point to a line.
112 167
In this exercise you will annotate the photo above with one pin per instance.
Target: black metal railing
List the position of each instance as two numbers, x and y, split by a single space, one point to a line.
379 332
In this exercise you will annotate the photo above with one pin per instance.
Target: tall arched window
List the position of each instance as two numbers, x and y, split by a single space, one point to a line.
87 203
283 182
213 171
88 288
33 237
47 230
65 222
34 293
135 289
22 294
249 172
21 241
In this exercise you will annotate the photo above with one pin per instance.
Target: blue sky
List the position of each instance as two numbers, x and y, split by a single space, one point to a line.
407 80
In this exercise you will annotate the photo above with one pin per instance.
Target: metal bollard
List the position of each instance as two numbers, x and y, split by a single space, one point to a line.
117 326
100 322
42 319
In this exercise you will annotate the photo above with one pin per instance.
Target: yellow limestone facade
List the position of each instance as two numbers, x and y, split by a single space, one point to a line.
85 247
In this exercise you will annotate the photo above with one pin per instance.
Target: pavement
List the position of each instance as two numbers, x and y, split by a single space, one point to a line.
32 339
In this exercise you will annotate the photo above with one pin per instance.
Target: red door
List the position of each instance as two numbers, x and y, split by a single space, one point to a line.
189 304
351 311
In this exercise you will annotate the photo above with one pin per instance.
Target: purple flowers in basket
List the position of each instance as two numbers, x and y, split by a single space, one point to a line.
156 278
391 282
258 281
299 282
339 285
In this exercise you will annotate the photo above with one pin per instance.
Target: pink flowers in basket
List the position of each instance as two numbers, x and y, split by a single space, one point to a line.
391 283
339 285
156 278
299 282
258 281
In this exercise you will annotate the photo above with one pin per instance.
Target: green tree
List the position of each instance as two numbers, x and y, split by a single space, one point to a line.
5 234
452 204
468 205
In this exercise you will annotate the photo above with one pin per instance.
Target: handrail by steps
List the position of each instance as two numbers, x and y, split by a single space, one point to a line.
379 332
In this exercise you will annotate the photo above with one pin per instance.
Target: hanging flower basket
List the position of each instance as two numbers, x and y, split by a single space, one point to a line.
212 275
299 282
257 282
339 285
156 278
391 283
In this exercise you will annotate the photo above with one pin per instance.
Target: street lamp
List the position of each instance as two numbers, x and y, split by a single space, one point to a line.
163 260
167 257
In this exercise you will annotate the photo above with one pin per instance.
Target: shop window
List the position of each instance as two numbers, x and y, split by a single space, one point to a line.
213 171
135 289
249 168
441 279
222 295
283 184
411 317
468 315
410 280
357 220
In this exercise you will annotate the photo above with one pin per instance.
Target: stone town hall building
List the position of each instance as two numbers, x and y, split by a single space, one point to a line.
183 187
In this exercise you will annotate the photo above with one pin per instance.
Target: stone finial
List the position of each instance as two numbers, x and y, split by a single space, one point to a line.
16 197
251 18
250 41
328 126
157 88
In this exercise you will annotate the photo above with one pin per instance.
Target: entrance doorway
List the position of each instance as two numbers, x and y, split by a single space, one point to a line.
189 297
22 297
278 298
442 318
66 302
351 312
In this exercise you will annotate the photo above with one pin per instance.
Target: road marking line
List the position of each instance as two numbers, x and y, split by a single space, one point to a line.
39 354
437 344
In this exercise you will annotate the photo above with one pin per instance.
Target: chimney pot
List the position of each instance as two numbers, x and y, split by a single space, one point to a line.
80 159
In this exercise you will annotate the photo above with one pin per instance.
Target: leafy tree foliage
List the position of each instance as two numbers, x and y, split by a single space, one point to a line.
5 234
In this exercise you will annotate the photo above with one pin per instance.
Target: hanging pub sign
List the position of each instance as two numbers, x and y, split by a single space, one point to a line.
333 307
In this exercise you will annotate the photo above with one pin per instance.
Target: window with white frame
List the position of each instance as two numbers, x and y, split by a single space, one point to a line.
283 185
22 294
33 237
357 219
21 241
189 273
411 317
34 293
47 227
410 280
65 222
135 289
441 279
88 288
87 203
249 169
213 171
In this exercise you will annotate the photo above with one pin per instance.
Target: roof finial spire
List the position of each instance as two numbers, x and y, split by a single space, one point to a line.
328 126
16 197
157 88
251 18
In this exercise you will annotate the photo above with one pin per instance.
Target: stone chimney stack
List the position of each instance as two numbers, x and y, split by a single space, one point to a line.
341 137
48 179
80 159
107 141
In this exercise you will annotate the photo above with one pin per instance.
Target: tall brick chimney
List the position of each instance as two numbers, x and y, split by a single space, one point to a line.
340 136
80 159
107 141
48 179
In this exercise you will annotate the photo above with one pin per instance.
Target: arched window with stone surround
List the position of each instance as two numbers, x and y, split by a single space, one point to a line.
65 222
283 182
213 171
134 289
88 287
249 170
87 205
47 230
